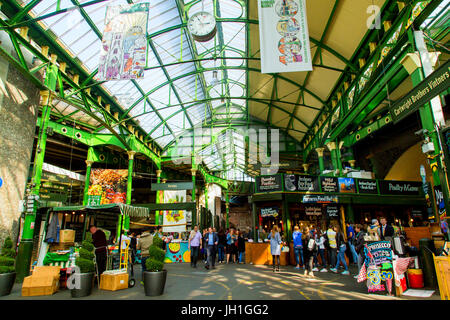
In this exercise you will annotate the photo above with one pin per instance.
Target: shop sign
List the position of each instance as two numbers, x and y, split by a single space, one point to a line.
329 184
313 211
300 183
367 186
268 183
173 186
439 198
400 187
347 185
319 199
332 212
269 212
433 85
94 200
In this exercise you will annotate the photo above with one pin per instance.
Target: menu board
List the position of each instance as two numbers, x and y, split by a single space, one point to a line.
300 183
313 210
268 183
367 186
269 212
400 187
332 212
329 184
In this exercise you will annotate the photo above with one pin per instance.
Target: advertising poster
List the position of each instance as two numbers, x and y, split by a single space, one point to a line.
124 43
177 252
174 220
329 184
107 186
268 183
269 212
367 186
284 36
300 183
347 185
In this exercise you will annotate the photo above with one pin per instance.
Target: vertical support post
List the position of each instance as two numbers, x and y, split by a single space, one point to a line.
254 222
194 214
334 156
130 175
88 177
320 156
206 204
158 195
25 250
227 206
286 220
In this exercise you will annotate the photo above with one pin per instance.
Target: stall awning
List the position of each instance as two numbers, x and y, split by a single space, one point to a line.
127 210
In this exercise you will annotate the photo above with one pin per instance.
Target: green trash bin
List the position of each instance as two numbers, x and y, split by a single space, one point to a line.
426 250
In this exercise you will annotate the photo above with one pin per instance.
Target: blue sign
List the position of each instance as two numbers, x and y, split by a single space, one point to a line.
1 182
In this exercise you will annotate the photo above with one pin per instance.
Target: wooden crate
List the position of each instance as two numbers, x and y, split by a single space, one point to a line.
114 282
39 286
442 266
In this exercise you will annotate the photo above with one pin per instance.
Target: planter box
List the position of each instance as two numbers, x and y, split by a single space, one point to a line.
114 282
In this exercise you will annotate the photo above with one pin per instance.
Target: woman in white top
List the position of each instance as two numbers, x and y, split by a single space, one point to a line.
275 248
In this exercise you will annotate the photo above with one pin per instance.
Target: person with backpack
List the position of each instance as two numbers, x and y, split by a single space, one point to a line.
340 243
320 242
298 247
309 243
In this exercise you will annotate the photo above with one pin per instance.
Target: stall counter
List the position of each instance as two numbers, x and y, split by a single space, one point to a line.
259 254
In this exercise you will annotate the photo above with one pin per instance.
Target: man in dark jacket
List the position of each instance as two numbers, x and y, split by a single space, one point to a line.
211 240
100 244
359 245
386 230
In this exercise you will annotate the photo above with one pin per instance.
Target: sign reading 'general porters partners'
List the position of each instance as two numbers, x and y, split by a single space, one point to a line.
433 85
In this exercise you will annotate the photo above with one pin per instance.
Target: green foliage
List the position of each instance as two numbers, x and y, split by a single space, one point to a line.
155 261
86 259
156 253
7 260
153 265
158 242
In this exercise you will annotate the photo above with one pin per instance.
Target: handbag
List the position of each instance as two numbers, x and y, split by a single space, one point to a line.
285 249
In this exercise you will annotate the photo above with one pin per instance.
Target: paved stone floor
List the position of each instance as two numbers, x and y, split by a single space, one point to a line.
238 282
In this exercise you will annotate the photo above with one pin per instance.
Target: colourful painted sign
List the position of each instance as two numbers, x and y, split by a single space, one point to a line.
177 252
174 220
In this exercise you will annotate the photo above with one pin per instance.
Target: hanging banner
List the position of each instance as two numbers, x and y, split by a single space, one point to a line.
124 43
439 198
284 36
269 212
107 186
177 218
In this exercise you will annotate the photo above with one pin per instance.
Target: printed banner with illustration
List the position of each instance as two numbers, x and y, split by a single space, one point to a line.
177 218
107 186
124 43
178 252
284 36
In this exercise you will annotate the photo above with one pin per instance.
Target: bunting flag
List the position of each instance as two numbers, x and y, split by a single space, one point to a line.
362 276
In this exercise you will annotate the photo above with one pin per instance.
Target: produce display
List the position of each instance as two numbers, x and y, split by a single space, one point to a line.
108 185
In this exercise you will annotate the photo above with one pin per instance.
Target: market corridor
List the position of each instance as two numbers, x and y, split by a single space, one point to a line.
236 282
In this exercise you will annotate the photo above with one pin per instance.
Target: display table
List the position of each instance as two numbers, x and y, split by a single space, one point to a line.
259 254
177 251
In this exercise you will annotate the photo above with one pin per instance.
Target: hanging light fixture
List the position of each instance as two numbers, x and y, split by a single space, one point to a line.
214 80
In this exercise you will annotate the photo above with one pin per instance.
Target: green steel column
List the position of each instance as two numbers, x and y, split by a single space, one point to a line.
206 204
320 156
89 163
194 214
334 155
254 222
227 206
286 220
161 216
130 174
25 249
158 195
350 216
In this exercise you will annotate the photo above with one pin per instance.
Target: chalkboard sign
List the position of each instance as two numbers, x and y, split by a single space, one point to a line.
300 183
268 183
400 187
332 212
329 184
367 186
313 210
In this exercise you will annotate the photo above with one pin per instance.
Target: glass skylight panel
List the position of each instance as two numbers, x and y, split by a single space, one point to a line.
180 69
231 9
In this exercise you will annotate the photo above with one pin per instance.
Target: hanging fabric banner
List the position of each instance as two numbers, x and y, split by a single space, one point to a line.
124 43
284 36
177 218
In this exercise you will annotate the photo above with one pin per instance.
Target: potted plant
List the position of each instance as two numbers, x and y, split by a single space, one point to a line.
84 276
7 270
155 276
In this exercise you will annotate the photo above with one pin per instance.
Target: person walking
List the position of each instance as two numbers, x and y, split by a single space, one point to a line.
332 247
195 243
359 246
203 246
310 249
133 246
231 246
340 243
221 246
241 246
298 247
321 251
350 238
211 240
275 248
145 241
